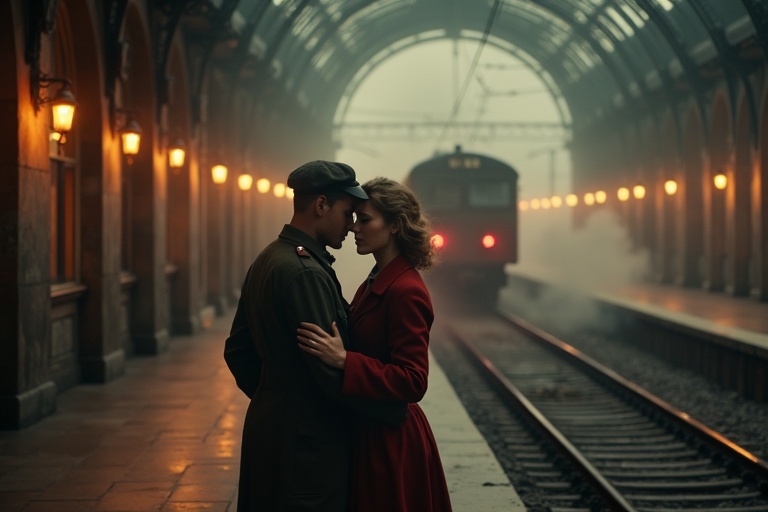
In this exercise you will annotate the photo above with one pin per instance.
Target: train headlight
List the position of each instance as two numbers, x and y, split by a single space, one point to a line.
438 241
489 241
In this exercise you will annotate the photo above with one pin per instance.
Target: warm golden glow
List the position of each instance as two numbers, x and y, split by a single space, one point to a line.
571 200
289 193
279 189
176 155
131 135
63 110
601 197
721 181
263 185
437 241
622 194
545 203
535 204
589 199
244 181
523 205
638 191
670 187
131 143
556 201
63 114
219 174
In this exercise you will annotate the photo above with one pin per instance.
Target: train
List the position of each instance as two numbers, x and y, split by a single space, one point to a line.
471 200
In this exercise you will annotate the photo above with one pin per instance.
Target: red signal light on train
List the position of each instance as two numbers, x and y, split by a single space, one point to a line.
488 241
438 241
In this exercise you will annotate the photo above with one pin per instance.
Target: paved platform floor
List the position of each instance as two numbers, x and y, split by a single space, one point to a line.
739 318
166 437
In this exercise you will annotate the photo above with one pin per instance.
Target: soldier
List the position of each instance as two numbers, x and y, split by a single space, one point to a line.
297 432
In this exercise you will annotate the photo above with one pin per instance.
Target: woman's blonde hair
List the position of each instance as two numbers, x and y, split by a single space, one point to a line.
400 206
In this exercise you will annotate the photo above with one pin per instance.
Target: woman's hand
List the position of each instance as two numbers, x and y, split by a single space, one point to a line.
314 340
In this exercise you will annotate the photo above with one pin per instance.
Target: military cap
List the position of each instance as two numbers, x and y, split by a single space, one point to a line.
321 175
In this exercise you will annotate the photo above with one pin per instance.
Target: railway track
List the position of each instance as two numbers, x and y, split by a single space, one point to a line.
627 449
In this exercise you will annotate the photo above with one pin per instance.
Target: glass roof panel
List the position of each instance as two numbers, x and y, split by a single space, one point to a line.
568 38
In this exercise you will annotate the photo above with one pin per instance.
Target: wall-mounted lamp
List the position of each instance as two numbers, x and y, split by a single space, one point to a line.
622 194
721 181
279 189
130 133
62 104
638 191
219 174
176 155
670 187
245 181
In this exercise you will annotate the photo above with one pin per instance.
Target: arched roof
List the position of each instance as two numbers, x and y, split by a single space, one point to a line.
600 54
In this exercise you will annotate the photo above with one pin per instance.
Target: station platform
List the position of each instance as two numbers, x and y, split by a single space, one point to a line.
718 336
739 320
166 437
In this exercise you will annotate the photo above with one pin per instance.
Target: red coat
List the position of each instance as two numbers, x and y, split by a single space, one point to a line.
394 469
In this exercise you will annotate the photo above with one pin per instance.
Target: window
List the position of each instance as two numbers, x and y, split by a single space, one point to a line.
489 195
63 220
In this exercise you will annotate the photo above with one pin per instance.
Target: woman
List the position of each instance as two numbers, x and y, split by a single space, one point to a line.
394 469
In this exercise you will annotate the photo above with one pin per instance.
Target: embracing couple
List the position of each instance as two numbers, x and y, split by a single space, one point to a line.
333 423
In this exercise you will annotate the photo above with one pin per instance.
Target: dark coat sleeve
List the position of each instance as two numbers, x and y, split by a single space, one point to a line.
310 298
240 353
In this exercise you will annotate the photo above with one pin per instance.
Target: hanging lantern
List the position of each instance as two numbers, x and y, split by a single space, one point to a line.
131 135
176 155
245 181
219 174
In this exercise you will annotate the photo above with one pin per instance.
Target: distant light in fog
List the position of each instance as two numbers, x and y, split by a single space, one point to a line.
571 200
589 199
263 185
670 187
219 174
489 241
437 241
601 197
535 204
244 181
623 194
279 189
721 181
638 191
523 205
556 201
545 203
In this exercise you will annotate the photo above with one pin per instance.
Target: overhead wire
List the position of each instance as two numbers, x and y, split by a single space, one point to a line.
495 9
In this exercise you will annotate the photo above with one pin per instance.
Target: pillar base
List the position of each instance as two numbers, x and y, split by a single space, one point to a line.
28 407
152 344
101 369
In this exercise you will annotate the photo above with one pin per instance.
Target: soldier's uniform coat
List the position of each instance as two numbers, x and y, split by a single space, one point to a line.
296 437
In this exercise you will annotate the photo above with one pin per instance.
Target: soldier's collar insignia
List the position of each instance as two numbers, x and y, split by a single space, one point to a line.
301 251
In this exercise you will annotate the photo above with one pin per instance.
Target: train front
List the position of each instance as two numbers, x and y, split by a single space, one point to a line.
471 200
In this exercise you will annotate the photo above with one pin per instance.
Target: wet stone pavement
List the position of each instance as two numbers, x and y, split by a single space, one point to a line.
164 437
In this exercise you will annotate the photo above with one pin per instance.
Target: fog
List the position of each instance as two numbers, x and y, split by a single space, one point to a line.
596 259
422 83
